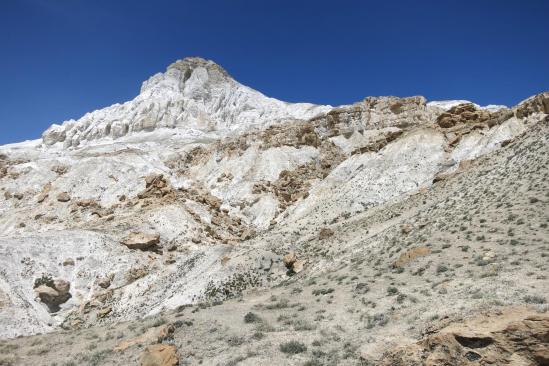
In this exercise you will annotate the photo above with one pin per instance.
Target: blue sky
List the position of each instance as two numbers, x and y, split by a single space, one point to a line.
62 58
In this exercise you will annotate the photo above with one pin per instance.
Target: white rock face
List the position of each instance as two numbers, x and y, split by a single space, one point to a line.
235 166
365 180
193 95
447 104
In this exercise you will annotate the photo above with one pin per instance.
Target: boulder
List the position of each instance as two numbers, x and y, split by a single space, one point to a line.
289 260
512 336
46 294
63 197
293 264
54 295
160 355
298 266
44 194
143 241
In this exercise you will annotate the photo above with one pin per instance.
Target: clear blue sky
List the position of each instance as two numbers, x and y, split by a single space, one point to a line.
62 58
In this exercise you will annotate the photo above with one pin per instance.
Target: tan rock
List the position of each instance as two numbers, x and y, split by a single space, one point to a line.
512 336
536 104
410 255
53 297
44 194
298 266
160 355
152 335
46 293
289 260
139 240
157 186
76 323
63 197
87 203
212 201
68 262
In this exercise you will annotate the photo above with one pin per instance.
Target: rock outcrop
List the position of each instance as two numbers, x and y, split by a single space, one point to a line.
535 104
53 294
508 337
160 355
151 336
143 241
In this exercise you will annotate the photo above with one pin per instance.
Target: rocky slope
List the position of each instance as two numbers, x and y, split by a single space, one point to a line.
336 227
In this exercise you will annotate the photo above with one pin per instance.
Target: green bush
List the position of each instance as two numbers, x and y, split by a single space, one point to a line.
46 280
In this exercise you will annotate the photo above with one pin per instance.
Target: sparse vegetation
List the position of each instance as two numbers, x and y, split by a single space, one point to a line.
293 347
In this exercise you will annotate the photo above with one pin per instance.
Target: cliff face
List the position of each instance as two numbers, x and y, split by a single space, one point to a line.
195 189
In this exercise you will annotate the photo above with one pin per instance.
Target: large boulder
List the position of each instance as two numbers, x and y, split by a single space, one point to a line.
513 336
536 104
160 355
289 259
293 264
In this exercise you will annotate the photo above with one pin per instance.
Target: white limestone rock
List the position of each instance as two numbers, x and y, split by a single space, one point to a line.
193 94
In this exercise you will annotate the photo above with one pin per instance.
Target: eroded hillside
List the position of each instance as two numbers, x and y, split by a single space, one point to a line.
295 234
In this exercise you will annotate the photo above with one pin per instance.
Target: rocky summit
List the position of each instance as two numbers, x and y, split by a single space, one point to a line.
204 223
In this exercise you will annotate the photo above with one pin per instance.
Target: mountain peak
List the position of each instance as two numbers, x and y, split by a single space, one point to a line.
194 95
190 63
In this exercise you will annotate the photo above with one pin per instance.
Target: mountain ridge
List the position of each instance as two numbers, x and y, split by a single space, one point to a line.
218 192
